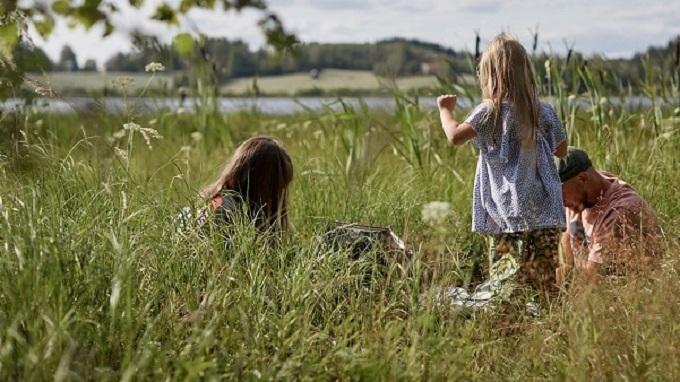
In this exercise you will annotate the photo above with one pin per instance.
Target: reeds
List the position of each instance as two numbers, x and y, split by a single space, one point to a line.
96 285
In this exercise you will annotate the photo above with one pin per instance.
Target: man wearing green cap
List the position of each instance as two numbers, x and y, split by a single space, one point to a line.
610 228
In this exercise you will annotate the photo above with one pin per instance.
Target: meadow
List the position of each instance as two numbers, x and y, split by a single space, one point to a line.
96 285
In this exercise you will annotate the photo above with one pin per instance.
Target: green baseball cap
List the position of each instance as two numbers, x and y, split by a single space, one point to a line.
575 162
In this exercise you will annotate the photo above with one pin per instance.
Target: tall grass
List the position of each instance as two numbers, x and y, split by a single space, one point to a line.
96 284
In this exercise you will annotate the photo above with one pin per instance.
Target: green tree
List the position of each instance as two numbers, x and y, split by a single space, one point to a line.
68 61
90 66
31 59
17 17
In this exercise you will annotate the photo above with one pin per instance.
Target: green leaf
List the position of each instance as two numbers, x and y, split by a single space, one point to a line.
45 27
89 14
108 28
277 36
186 5
184 44
9 38
165 13
136 3
6 7
242 4
61 7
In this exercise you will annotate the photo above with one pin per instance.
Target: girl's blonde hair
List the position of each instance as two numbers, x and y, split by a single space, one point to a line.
260 171
506 73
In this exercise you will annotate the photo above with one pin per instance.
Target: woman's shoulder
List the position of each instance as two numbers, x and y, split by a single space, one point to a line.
229 201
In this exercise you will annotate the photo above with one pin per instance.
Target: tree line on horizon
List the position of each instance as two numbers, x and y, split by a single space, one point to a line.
391 58
233 59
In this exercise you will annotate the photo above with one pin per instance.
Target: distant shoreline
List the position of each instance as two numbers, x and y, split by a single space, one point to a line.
331 82
271 105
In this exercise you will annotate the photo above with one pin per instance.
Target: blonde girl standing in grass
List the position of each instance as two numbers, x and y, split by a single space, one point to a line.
517 197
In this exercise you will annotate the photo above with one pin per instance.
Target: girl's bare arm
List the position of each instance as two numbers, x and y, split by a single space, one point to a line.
456 133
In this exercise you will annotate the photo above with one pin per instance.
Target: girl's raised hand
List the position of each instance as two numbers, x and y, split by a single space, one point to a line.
447 102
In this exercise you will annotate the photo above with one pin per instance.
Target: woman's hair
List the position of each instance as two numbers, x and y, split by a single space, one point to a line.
506 72
260 171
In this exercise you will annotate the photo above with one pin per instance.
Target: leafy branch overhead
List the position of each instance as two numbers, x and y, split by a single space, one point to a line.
15 18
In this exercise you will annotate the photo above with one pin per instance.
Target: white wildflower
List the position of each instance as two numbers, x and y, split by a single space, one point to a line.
154 67
604 101
197 136
119 134
123 82
436 213
149 133
122 154
131 126
571 98
152 132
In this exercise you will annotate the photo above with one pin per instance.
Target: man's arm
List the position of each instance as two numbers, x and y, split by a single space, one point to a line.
587 269
591 271
567 259
568 255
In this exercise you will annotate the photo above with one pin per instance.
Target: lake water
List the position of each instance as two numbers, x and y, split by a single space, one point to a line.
266 105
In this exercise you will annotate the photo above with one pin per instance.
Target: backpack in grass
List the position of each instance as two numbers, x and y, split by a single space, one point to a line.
361 240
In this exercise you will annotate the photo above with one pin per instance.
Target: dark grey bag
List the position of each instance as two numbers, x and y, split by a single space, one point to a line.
360 239
378 247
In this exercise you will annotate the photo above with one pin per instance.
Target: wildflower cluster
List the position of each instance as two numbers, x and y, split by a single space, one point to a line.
154 67
436 213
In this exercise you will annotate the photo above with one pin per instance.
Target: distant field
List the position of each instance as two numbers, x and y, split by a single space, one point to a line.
96 81
295 83
330 79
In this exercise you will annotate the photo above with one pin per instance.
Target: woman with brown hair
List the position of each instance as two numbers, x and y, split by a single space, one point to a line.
253 185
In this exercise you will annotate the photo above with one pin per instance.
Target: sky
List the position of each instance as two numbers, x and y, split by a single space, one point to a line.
613 28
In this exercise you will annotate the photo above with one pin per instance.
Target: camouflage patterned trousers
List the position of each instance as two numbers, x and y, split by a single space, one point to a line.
525 261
